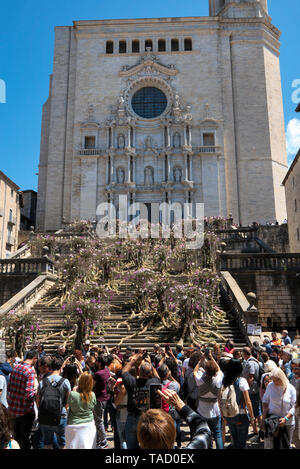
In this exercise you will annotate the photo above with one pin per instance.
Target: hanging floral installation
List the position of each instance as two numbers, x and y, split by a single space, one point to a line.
176 288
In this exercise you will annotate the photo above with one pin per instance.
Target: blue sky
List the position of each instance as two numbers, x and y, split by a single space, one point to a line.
26 52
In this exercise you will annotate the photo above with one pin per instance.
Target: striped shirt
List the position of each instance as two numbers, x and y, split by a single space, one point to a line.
21 390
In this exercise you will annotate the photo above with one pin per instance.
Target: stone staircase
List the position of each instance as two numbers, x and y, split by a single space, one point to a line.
52 320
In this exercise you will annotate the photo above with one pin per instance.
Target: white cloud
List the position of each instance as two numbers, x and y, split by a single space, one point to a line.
293 138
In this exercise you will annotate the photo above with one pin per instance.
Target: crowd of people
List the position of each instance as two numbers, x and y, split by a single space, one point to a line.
70 400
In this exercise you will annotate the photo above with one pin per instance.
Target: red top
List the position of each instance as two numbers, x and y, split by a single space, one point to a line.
20 390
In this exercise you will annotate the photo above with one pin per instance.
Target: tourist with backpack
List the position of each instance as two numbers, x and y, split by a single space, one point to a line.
53 392
235 404
209 378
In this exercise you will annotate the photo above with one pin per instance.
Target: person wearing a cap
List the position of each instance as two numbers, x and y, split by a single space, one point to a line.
86 348
286 338
267 345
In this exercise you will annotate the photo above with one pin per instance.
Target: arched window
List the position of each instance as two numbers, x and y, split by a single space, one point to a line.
136 46
122 47
175 45
161 45
109 47
149 44
188 45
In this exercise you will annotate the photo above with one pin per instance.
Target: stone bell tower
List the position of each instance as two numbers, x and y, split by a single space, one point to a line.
238 8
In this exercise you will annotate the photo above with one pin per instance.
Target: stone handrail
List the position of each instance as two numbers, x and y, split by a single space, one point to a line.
27 297
21 253
26 266
260 261
236 298
241 234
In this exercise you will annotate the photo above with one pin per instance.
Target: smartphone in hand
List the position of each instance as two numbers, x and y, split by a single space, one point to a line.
155 399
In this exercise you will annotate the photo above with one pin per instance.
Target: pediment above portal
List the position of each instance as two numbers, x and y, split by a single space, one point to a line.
148 65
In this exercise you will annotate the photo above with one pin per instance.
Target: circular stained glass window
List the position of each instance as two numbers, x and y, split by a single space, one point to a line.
149 102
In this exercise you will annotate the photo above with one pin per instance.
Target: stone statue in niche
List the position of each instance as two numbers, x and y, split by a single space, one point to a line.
121 141
149 177
177 101
148 143
120 176
176 140
177 174
121 102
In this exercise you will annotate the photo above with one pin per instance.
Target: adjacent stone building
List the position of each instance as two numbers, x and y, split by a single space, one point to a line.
292 191
166 110
28 211
9 216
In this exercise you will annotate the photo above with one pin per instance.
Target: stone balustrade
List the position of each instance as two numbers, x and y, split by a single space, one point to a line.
240 306
29 295
259 262
239 234
26 266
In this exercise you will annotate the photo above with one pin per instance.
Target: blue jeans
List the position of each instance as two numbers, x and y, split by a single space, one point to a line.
238 427
131 432
256 404
215 426
48 432
121 430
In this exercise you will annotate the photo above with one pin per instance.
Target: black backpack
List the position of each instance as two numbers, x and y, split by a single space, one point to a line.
51 403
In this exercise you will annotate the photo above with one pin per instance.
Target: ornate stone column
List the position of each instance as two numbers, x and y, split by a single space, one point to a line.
191 167
112 168
169 168
129 179
186 175
185 136
129 136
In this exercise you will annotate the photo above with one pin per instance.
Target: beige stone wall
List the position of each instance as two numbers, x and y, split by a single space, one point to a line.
233 68
9 216
292 190
278 297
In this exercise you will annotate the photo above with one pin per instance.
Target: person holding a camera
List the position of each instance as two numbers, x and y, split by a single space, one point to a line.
209 378
138 391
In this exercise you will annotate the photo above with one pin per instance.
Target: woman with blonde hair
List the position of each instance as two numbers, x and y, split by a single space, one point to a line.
81 429
279 411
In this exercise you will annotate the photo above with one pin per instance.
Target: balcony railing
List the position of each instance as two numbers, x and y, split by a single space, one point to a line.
273 262
26 266
90 152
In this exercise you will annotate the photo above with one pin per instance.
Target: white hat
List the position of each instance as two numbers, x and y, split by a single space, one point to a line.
87 342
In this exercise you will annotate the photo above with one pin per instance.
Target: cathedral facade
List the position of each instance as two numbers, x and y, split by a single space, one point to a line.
166 110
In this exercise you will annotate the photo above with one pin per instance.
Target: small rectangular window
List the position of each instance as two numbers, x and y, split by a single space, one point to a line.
298 234
122 47
161 45
89 142
175 45
188 44
148 45
109 47
209 139
135 46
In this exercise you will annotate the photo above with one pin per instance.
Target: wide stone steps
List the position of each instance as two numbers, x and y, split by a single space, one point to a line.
52 319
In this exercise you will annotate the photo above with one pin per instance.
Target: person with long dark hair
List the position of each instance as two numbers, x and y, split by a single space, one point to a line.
234 383
6 432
